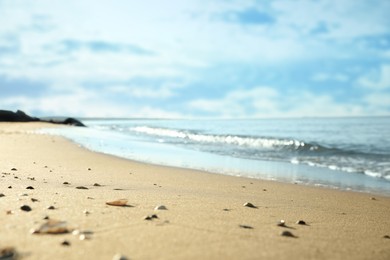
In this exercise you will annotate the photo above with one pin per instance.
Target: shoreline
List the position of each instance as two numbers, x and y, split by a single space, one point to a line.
205 217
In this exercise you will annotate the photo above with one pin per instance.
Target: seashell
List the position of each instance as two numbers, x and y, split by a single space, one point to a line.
249 205
301 222
160 207
281 223
286 233
86 212
246 226
120 203
52 227
25 208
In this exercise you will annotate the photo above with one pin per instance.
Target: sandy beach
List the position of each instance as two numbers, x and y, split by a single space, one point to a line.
205 216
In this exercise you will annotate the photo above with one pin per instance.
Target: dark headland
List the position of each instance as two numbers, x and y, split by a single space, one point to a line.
20 116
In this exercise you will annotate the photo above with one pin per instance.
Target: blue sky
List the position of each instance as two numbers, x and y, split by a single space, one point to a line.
195 58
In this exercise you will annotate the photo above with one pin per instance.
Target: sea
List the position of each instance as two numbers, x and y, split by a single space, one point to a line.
338 153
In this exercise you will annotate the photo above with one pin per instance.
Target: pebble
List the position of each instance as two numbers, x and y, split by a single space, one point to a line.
301 222
372 198
66 183
8 253
25 208
34 200
97 185
286 233
246 226
51 207
386 236
150 217
249 205
9 187
161 207
14 169
86 212
2 195
281 223
30 188
120 257
65 243
81 188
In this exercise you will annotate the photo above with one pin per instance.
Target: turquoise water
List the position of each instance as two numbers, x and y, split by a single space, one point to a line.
343 153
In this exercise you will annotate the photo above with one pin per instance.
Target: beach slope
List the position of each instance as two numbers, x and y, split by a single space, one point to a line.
205 216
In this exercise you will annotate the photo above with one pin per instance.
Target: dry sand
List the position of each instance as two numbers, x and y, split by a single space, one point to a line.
203 216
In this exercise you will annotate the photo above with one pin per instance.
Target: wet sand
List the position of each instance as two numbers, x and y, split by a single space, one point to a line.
205 216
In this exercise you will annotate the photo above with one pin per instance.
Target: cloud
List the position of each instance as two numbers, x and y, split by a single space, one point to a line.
267 102
376 79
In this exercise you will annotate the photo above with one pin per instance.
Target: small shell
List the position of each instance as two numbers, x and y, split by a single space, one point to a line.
281 223
249 205
120 202
52 227
160 207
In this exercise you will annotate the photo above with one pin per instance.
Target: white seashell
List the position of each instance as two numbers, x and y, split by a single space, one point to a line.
160 207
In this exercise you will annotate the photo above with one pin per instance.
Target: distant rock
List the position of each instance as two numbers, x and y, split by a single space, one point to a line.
20 116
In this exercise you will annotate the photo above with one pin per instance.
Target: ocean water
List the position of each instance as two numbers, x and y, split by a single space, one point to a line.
342 153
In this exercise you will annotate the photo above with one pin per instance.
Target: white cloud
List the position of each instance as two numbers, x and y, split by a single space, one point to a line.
266 102
377 79
322 76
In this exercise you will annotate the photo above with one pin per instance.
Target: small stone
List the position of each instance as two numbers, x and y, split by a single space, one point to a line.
51 207
161 207
286 233
226 209
86 212
97 185
2 195
30 188
14 169
89 169
25 208
66 183
46 218
65 243
34 200
372 198
9 187
249 205
119 257
301 222
386 236
9 212
81 188
246 226
8 253
150 217
281 223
